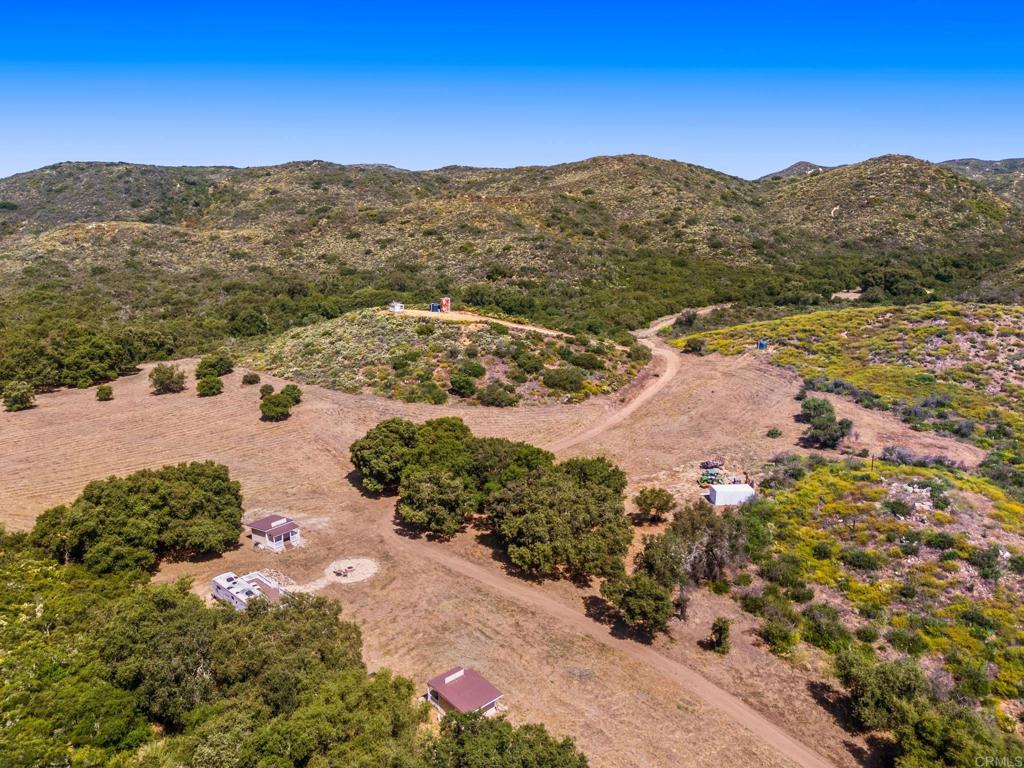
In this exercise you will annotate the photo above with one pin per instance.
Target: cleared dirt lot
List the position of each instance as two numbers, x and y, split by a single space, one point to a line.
431 606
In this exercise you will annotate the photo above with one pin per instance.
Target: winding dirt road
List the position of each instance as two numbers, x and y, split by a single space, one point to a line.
730 706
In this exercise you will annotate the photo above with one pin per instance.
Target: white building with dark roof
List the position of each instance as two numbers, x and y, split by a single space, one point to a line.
275 532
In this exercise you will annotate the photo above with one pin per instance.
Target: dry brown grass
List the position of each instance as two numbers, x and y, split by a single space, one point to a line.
430 605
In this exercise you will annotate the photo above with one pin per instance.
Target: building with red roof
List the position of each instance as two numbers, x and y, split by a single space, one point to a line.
275 532
463 690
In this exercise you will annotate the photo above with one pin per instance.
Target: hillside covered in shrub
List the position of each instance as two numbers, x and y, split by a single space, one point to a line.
430 360
944 366
108 264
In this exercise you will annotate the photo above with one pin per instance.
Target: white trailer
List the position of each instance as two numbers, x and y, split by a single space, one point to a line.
730 494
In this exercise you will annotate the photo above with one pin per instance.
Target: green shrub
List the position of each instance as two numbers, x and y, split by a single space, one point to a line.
498 395
654 503
104 393
166 379
293 393
642 603
780 635
217 364
867 633
463 385
250 377
473 369
823 628
719 640
774 432
907 640
695 345
566 379
277 407
18 396
861 559
527 362
800 593
822 550
209 386
266 389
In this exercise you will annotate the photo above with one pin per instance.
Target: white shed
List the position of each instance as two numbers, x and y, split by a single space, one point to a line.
730 494
396 306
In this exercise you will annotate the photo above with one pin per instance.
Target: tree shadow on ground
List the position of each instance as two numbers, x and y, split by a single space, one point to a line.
600 610
876 752
355 479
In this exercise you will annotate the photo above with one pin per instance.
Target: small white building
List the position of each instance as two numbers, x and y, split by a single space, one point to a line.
237 591
396 306
275 532
730 494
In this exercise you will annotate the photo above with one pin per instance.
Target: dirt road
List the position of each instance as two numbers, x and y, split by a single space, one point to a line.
469 317
689 680
667 367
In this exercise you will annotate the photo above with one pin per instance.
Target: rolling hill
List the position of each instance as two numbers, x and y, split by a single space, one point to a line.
185 257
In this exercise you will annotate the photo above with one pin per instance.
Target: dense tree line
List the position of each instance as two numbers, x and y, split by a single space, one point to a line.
128 523
101 669
61 329
552 518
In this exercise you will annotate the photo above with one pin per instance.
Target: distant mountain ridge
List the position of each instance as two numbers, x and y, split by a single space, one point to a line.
799 168
1004 177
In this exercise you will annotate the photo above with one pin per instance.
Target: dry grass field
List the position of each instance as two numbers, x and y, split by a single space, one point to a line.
430 605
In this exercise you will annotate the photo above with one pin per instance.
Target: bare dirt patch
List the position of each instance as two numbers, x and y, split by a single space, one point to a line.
431 606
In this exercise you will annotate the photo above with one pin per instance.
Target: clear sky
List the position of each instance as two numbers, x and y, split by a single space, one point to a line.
746 88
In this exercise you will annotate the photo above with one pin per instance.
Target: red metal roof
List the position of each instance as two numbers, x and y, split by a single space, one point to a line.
273 524
465 692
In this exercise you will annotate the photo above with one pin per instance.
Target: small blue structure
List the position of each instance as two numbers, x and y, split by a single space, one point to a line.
435 307
762 344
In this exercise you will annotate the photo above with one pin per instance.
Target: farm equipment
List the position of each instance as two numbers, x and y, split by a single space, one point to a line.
711 476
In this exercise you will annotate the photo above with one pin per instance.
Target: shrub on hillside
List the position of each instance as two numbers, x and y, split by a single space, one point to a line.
498 395
472 368
166 379
462 385
217 364
104 393
277 407
208 386
18 396
566 379
266 389
719 640
824 430
250 377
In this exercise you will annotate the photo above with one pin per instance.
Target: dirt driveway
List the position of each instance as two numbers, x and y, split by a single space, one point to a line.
432 606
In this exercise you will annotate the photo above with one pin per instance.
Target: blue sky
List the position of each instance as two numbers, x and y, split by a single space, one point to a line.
746 88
